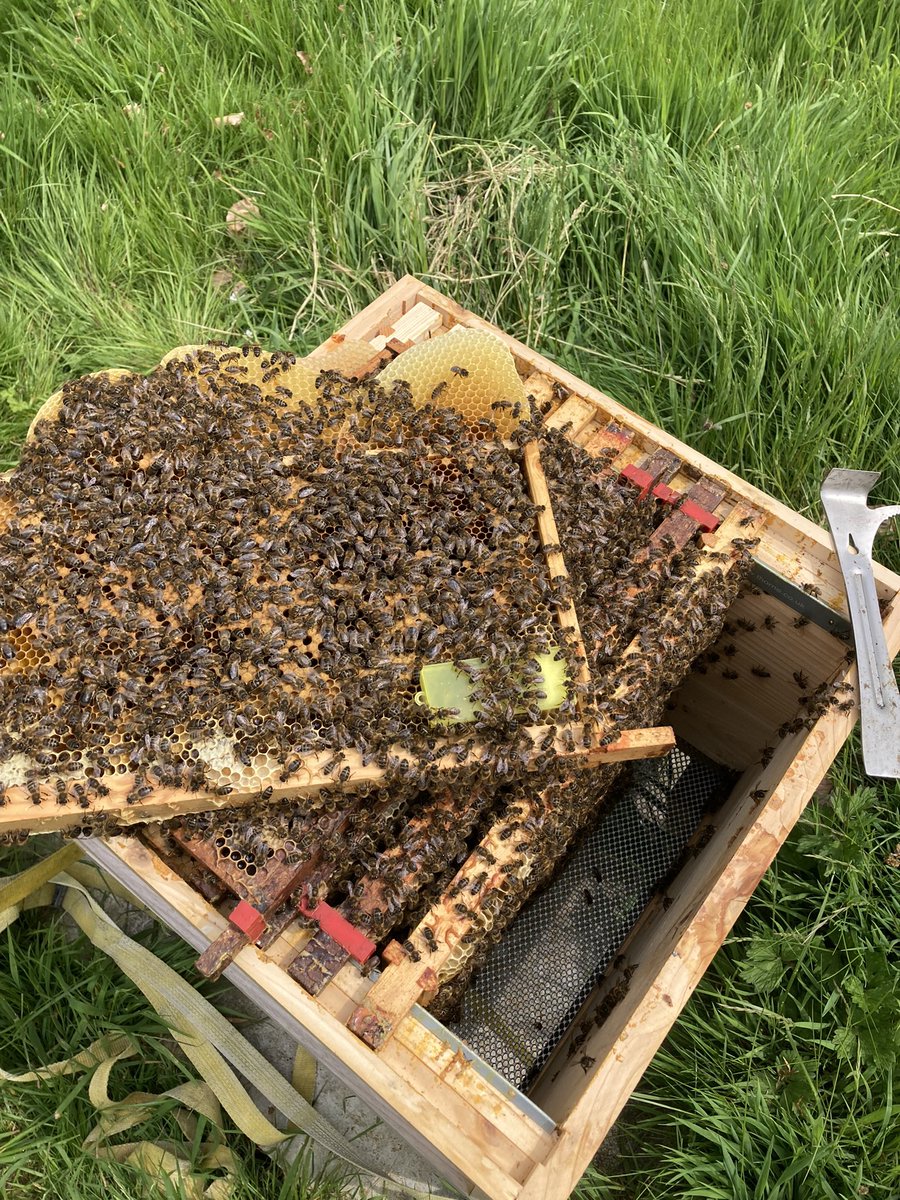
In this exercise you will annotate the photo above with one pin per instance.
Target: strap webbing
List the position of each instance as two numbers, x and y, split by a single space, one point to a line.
207 1039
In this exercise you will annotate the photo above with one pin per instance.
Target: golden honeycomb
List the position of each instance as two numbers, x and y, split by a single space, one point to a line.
49 410
292 378
468 370
347 355
212 754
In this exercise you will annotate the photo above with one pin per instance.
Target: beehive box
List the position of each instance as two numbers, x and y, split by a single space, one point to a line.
749 705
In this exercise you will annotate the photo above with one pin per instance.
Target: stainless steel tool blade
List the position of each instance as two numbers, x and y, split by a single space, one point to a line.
853 527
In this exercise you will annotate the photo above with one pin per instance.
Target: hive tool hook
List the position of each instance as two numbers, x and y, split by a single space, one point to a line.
853 527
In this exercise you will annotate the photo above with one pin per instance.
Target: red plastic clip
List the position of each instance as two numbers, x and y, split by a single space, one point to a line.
641 479
706 520
249 920
353 940
644 480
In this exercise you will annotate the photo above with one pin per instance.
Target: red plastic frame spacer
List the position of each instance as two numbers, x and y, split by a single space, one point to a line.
353 940
706 520
248 920
644 480
640 478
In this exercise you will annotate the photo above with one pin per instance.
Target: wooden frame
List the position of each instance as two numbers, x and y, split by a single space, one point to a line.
18 812
482 1135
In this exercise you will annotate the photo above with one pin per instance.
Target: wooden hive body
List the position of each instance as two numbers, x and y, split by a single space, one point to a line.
483 1135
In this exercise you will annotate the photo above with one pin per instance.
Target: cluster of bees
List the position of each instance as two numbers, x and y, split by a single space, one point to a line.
188 563
195 560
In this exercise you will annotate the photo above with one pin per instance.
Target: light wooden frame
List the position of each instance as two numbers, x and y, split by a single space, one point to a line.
19 814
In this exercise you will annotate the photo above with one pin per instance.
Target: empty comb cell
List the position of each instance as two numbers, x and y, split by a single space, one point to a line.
447 689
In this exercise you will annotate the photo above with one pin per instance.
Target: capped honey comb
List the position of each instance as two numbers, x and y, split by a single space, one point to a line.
347 355
297 375
468 370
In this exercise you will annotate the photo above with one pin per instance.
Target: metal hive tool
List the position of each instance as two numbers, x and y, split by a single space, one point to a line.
853 526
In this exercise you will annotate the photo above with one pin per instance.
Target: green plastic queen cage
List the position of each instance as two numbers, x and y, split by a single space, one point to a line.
448 689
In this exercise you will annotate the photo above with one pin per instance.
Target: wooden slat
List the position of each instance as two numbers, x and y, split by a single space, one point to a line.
383 311
632 745
679 527
414 326
574 414
556 564
661 464
539 387
610 436
20 813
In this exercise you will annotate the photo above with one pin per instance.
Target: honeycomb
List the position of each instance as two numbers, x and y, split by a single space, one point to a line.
467 369
296 579
49 410
295 378
347 355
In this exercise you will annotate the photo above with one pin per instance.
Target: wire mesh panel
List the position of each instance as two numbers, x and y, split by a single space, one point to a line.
526 994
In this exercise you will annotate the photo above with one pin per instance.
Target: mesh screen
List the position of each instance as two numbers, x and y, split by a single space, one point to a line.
523 998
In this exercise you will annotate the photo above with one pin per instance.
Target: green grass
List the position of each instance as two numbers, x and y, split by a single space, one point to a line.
694 204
